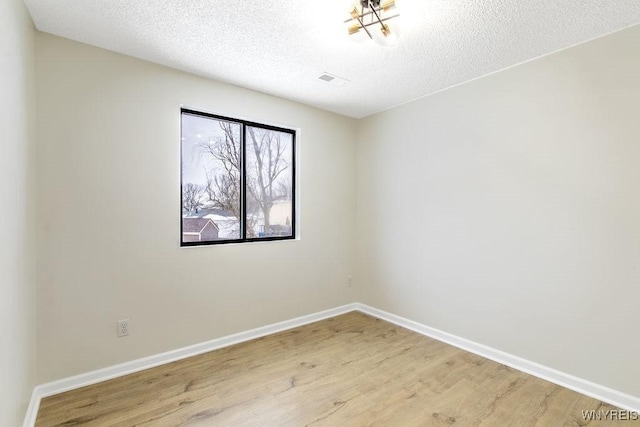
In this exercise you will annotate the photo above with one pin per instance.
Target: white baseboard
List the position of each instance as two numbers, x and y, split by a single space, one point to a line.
32 409
605 394
93 377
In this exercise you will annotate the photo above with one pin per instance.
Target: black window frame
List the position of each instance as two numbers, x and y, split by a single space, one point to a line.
243 192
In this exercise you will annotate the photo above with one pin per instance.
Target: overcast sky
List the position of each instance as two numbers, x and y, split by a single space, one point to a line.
194 131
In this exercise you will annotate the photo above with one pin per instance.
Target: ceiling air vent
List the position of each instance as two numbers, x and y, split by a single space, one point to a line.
326 77
332 79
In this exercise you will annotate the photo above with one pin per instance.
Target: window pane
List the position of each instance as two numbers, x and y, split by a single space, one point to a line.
210 179
269 157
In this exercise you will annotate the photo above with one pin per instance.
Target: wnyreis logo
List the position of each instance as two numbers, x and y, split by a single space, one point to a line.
609 415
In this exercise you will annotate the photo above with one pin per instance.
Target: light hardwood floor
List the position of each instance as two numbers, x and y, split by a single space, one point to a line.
351 370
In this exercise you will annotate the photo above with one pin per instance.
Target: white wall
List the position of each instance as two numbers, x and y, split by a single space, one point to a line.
17 221
507 210
110 208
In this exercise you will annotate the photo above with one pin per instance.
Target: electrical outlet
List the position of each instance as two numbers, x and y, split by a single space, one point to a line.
123 328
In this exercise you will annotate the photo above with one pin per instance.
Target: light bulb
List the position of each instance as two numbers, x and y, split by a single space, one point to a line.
385 36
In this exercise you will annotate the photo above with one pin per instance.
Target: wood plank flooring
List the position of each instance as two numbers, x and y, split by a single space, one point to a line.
351 370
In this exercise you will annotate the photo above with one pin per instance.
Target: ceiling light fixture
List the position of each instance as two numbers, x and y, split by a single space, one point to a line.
373 13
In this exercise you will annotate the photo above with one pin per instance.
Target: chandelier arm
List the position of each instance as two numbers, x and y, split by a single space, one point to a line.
362 25
363 14
375 12
383 19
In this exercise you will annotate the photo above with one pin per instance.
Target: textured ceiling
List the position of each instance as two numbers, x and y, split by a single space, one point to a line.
280 47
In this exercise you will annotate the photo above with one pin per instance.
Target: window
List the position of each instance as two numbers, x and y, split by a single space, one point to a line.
237 180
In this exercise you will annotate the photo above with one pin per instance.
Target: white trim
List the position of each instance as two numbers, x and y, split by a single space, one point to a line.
32 410
93 377
605 394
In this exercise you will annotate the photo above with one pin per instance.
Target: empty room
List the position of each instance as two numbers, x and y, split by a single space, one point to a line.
302 213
